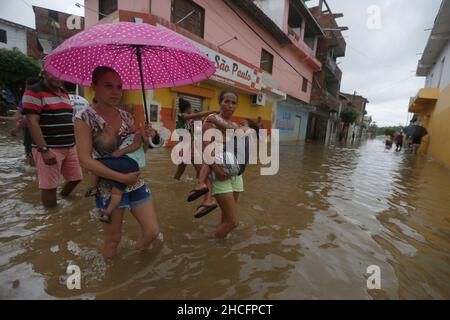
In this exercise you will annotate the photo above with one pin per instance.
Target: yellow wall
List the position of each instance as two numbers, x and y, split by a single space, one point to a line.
245 108
210 93
132 101
439 129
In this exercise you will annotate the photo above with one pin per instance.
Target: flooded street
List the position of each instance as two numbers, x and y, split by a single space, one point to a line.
310 232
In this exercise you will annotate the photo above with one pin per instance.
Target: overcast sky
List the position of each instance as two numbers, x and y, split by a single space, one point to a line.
380 64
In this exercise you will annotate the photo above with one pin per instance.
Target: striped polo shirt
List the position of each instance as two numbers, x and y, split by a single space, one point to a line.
55 113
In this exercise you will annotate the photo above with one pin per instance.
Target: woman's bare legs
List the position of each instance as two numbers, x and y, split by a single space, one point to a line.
145 214
112 234
230 218
236 198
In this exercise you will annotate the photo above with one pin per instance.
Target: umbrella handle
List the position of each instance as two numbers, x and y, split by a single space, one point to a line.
139 59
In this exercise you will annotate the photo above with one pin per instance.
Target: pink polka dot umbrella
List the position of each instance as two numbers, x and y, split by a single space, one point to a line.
145 56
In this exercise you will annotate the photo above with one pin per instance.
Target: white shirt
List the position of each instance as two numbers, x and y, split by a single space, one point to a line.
78 103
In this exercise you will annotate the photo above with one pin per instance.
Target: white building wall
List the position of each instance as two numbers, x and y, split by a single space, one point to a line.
15 37
439 75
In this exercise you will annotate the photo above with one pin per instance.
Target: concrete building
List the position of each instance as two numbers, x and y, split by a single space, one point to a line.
322 124
431 105
263 49
356 130
52 28
13 35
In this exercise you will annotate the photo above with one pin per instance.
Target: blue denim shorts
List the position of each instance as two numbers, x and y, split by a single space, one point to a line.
129 199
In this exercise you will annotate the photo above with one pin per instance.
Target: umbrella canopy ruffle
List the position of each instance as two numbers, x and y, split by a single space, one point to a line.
162 67
167 59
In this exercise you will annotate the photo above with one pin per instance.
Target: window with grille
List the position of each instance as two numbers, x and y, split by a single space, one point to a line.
106 7
188 15
305 85
266 61
3 36
53 15
196 102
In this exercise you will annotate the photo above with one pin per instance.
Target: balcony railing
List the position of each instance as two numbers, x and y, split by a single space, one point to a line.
332 66
339 46
323 97
303 49
291 32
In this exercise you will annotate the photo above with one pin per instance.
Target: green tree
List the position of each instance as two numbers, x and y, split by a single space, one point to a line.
389 131
348 116
15 68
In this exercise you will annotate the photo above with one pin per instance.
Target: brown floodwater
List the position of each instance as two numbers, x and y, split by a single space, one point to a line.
309 232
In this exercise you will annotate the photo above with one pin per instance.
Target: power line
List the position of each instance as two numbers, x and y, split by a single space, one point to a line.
252 49
237 32
268 44
390 86
369 57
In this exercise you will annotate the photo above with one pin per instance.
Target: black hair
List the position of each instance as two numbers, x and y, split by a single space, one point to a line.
100 71
252 124
31 81
183 105
227 91
69 86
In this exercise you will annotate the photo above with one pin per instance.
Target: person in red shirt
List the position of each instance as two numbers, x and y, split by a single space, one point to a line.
49 115
399 142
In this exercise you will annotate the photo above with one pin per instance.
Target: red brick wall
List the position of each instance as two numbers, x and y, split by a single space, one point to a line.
43 27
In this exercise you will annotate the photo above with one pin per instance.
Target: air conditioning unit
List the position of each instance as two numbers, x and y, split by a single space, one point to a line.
259 99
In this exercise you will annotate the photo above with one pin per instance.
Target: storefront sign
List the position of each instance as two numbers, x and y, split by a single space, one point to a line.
230 71
233 72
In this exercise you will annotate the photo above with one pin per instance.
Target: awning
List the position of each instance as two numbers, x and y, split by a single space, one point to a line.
424 100
47 45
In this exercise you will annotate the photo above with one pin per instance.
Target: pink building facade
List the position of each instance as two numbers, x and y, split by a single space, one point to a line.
269 61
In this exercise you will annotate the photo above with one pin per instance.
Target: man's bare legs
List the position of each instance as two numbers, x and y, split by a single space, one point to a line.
68 187
48 197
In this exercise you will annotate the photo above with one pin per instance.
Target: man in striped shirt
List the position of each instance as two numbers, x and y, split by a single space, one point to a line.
49 118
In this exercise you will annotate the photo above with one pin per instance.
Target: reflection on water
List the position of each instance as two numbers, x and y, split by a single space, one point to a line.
309 232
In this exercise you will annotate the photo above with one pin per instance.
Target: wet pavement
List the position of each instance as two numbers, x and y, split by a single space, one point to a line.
311 231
